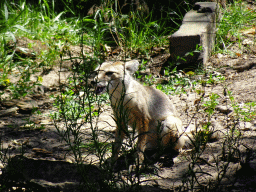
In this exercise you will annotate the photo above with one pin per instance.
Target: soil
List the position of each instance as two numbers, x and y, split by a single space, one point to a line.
35 136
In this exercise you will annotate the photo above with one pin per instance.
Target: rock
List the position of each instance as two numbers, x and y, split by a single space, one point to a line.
49 186
9 112
247 42
41 89
196 23
244 65
27 106
9 103
41 152
245 126
52 175
25 52
252 165
224 109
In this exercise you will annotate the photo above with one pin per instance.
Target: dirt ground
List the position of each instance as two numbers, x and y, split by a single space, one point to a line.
35 136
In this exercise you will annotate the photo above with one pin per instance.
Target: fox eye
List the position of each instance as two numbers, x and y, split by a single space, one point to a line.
109 73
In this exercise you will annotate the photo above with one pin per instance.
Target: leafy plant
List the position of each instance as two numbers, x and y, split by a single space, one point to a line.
233 19
211 104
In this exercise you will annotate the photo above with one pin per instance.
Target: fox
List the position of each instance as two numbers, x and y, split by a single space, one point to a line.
144 108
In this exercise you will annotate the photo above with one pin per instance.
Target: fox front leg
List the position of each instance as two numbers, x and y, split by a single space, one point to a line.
141 145
142 140
119 136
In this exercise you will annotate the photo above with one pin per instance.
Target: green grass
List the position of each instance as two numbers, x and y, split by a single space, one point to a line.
236 17
19 20
133 33
136 35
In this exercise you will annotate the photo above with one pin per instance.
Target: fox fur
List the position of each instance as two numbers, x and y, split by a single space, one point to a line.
145 108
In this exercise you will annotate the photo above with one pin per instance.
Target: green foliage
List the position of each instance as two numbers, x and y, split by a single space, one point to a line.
137 34
233 19
132 32
211 104
21 19
246 112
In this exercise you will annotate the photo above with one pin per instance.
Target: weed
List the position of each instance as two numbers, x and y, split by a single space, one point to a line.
31 125
233 19
211 105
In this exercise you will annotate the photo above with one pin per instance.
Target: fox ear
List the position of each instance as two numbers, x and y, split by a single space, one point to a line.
132 66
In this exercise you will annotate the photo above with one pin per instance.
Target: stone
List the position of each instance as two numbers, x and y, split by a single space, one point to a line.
224 109
52 175
27 106
197 29
9 112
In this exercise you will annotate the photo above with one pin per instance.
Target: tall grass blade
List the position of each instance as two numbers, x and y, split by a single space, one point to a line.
21 28
6 13
58 16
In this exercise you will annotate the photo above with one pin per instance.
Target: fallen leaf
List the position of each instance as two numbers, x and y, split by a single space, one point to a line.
251 31
238 54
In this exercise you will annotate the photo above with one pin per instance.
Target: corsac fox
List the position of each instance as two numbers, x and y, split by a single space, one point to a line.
145 108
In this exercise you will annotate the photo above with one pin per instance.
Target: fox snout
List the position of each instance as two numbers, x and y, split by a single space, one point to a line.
99 88
93 83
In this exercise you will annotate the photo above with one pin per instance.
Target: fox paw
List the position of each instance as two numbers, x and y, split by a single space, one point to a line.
109 163
135 168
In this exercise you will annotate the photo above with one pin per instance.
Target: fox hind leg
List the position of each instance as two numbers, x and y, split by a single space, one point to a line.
171 133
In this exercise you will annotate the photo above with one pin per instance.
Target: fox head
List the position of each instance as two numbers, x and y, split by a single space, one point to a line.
112 74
